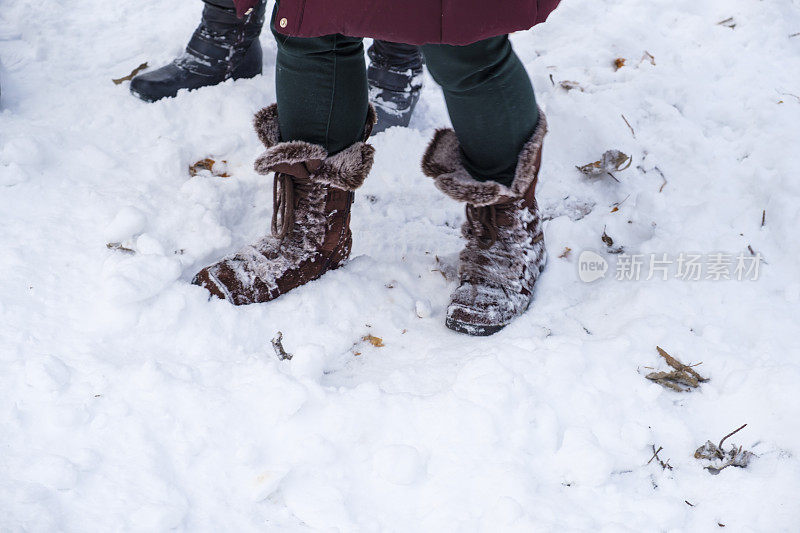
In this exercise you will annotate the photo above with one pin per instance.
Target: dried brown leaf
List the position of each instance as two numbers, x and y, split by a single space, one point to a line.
208 164
117 246
277 345
665 379
568 85
681 376
606 239
373 340
612 161
719 459
677 365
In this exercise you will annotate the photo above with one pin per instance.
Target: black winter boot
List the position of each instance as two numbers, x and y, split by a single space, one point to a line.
395 81
222 47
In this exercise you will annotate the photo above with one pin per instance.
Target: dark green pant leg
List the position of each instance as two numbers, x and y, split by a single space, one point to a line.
321 89
491 103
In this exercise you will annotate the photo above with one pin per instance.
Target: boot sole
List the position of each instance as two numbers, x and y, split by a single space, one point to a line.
484 330
473 330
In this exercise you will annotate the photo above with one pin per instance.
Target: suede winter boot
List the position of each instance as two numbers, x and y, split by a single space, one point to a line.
505 252
311 233
395 81
222 47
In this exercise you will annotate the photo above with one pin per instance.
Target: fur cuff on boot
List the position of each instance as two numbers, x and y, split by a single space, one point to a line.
346 170
442 162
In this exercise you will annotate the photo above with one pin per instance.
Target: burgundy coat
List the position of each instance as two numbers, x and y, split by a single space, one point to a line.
407 21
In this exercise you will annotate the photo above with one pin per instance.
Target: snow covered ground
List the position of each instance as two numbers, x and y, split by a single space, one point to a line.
128 401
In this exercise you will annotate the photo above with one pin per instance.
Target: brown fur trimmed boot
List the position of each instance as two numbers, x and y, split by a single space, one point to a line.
311 233
505 250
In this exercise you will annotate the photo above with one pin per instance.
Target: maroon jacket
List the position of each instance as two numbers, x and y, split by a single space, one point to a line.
407 21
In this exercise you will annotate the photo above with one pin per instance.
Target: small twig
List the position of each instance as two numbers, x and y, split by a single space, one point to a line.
277 345
728 23
130 76
687 502
440 272
729 434
552 80
616 205
647 55
629 126
655 452
663 178
789 94
664 465
763 217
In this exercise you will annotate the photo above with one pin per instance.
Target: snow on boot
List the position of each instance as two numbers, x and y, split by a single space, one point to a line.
395 81
505 252
222 47
311 233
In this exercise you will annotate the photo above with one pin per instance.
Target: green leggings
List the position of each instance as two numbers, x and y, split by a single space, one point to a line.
323 97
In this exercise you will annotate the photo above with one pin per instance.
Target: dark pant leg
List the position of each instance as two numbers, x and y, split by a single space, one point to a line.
491 103
222 4
396 56
322 89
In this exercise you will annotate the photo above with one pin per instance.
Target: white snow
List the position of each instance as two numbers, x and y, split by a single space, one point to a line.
128 401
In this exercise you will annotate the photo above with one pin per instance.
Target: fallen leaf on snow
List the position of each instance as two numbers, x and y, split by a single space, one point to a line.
568 85
119 248
277 345
606 239
681 376
720 459
209 165
612 161
373 340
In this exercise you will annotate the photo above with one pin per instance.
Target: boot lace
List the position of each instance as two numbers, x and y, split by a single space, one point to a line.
282 205
292 183
483 221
